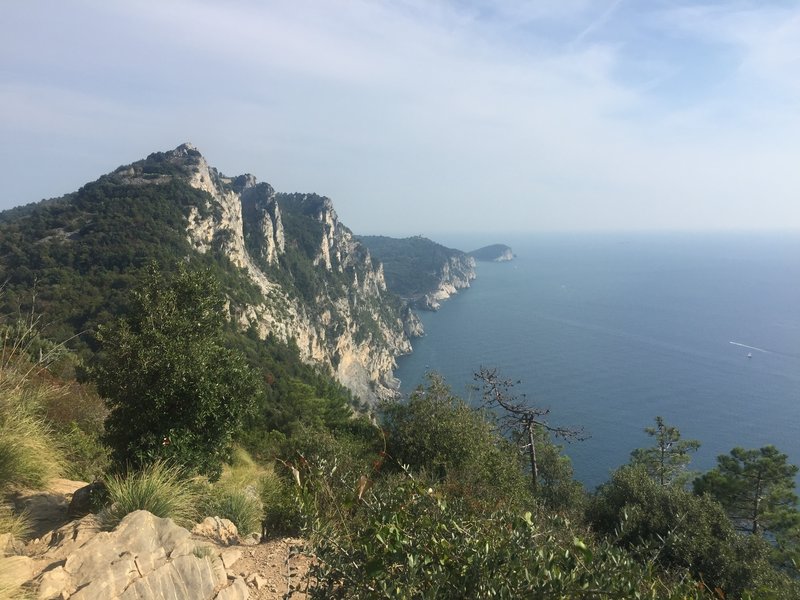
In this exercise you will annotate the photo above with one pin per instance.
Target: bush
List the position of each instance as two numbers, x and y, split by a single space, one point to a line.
439 434
159 488
282 511
679 530
87 458
174 389
408 541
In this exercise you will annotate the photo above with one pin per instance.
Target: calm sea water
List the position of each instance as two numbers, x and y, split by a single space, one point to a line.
610 331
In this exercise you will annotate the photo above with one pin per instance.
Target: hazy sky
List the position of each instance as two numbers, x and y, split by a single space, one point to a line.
421 116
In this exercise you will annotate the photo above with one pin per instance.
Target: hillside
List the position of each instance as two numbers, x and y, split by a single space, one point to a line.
419 270
293 274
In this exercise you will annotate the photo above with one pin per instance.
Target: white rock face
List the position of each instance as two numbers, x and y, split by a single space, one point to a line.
456 274
244 220
144 557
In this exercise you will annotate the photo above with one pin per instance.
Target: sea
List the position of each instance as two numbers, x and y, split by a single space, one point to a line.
610 330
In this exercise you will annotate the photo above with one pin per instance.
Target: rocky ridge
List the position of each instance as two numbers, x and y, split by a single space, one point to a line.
351 325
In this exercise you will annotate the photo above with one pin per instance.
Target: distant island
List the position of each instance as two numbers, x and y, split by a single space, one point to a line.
493 253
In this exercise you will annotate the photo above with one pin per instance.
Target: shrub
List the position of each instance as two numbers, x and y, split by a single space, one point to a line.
679 530
174 389
437 432
282 511
87 458
408 541
159 488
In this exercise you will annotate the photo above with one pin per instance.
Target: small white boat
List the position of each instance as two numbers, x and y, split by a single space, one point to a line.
749 355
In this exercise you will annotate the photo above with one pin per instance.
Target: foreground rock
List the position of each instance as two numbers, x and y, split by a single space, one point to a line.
144 557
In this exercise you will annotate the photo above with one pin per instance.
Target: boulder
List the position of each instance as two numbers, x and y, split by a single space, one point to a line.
86 499
144 557
221 531
236 591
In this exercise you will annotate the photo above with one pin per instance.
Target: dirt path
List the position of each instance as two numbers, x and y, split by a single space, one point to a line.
281 564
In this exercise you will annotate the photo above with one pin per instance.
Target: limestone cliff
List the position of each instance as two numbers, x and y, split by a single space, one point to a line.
318 284
455 274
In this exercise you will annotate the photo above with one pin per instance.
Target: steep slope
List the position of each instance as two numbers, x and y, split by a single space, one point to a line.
419 270
291 270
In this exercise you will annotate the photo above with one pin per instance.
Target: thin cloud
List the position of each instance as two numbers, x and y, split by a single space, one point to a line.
598 23
403 109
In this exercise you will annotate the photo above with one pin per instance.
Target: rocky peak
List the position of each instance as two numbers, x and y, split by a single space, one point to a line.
243 182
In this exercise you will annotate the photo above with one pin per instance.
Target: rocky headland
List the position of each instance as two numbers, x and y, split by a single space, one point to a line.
421 271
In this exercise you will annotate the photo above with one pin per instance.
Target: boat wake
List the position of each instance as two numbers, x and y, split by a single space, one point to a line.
752 348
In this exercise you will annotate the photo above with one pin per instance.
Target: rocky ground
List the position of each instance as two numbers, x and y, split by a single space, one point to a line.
146 557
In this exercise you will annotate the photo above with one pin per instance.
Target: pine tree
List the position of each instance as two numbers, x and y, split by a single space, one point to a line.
756 487
666 461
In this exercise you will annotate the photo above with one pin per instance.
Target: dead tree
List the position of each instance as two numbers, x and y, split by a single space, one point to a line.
518 417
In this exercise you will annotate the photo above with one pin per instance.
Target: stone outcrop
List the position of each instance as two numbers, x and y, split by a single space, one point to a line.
143 557
351 325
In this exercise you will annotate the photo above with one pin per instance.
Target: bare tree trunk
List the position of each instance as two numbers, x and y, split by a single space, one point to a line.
757 506
532 452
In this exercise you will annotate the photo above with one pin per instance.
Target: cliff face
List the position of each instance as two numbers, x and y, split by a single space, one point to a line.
318 284
455 274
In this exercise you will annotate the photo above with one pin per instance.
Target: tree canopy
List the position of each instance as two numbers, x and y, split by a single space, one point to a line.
666 461
173 388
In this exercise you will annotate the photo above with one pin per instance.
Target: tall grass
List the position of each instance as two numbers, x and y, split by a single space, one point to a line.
49 424
17 526
159 488
236 495
28 455
242 509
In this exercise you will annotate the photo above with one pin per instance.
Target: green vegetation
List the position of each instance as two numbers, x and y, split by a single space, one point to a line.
174 390
666 461
434 501
678 530
28 455
756 488
427 435
160 488
243 509
407 540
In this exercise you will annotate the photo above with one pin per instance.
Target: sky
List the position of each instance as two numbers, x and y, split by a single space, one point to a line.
421 116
